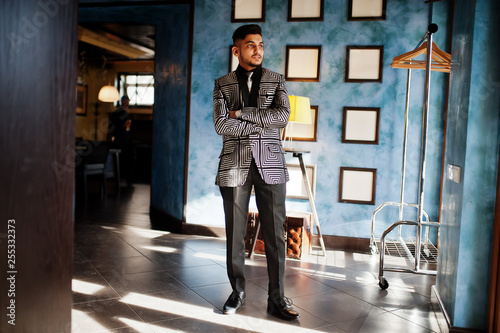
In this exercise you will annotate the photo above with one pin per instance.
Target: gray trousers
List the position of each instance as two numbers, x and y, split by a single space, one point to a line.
270 201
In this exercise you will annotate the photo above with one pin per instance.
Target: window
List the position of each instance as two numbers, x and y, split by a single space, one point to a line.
139 88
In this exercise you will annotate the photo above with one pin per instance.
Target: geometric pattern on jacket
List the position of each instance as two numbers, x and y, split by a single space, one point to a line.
256 134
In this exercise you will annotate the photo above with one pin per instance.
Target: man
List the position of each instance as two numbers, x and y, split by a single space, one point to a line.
119 123
250 115
119 133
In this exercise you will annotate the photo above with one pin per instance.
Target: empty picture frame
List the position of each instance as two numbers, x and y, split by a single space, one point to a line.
364 63
303 132
248 11
81 100
233 60
366 10
303 63
357 185
360 125
295 187
305 10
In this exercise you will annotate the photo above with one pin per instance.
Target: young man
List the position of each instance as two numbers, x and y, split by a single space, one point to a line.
250 107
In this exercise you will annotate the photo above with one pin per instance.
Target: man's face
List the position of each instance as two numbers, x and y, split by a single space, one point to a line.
250 51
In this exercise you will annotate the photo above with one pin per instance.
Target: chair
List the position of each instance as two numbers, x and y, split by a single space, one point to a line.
113 168
94 163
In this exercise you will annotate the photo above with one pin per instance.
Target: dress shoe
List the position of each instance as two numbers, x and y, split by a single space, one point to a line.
234 302
283 309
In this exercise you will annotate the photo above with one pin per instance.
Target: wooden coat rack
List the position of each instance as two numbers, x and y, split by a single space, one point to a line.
441 61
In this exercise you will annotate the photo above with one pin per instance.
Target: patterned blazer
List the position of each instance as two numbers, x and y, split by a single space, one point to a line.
256 134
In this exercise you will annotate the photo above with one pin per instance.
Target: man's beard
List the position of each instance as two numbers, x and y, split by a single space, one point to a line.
254 63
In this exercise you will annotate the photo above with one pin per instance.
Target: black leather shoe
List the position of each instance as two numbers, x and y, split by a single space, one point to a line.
234 302
283 310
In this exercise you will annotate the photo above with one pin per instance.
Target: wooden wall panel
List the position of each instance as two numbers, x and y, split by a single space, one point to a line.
37 101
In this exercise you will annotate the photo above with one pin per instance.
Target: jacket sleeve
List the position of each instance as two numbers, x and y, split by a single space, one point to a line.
277 115
224 125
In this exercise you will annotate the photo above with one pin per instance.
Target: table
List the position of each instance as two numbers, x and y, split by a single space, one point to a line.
298 153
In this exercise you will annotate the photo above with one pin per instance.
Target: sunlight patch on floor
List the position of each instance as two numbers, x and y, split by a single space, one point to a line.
83 323
202 313
164 249
147 233
86 288
210 256
333 276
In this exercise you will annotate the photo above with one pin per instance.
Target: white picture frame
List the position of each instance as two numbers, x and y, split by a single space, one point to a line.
357 185
366 10
295 187
303 63
233 60
364 63
306 10
303 132
360 125
248 11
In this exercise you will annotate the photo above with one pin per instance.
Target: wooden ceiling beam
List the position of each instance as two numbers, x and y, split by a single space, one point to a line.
113 43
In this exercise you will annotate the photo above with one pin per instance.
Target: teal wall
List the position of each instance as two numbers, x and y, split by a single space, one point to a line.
406 23
472 143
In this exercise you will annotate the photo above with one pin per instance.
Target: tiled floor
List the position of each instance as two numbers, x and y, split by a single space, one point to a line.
129 278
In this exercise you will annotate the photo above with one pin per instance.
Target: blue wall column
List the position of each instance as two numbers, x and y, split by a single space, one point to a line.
169 118
472 143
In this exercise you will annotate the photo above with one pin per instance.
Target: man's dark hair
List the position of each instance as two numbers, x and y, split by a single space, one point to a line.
244 30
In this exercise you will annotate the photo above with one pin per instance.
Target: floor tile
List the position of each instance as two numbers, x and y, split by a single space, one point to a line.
390 299
84 270
381 323
94 289
167 305
101 315
207 322
200 276
336 306
420 314
297 285
125 266
143 283
217 294
339 277
180 258
109 251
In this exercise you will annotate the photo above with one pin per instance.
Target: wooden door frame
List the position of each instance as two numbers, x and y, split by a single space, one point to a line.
493 314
